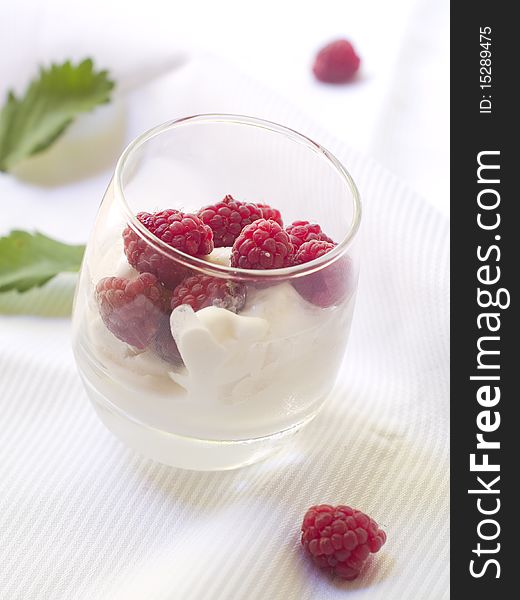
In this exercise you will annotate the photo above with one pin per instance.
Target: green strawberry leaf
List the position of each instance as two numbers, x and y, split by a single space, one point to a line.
31 123
54 299
29 260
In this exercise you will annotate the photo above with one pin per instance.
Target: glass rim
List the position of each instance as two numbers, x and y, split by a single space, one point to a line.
216 269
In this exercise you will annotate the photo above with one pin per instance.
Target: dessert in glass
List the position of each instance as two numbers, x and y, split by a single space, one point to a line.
217 290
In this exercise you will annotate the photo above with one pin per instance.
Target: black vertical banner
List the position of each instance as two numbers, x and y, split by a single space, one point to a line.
485 248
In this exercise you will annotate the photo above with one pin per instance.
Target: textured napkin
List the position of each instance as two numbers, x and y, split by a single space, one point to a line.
84 518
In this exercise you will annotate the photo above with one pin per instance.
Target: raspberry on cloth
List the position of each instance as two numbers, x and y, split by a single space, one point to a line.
340 538
337 62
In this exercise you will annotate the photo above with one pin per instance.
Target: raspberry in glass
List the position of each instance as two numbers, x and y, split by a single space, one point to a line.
132 308
183 232
262 245
227 218
268 212
304 231
330 285
200 291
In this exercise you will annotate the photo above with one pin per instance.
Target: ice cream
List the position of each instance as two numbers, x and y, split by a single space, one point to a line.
245 375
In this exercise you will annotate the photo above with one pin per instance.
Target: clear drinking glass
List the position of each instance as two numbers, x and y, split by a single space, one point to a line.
211 389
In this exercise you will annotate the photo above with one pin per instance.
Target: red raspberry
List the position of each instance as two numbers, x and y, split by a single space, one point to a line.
262 245
227 218
303 231
328 286
336 63
340 538
200 291
132 308
164 344
268 212
311 250
181 231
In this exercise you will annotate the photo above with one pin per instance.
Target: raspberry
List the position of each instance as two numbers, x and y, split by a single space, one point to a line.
132 308
200 291
336 63
325 287
311 250
268 212
164 344
181 231
262 245
227 218
303 231
146 259
340 538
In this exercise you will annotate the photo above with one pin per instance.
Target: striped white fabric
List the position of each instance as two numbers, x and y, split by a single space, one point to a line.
84 518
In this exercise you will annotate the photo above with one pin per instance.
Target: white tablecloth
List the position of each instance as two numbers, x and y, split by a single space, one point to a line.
82 517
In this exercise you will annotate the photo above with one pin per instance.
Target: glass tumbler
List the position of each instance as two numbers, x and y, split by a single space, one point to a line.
189 360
